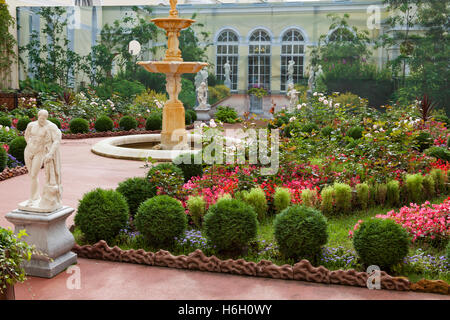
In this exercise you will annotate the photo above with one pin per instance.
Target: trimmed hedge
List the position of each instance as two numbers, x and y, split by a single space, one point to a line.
22 123
17 148
154 122
79 125
127 123
136 191
103 124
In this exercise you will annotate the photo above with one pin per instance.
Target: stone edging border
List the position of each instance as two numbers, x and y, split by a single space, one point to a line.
302 271
13 172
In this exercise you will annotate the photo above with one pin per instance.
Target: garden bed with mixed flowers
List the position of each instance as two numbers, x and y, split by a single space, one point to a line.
347 174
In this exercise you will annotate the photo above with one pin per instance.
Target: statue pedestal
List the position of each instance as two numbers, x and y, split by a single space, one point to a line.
203 113
49 233
227 83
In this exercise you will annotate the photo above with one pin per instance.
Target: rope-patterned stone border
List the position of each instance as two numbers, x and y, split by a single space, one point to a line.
197 260
12 172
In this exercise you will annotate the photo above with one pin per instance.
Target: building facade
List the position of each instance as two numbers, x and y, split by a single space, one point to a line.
257 39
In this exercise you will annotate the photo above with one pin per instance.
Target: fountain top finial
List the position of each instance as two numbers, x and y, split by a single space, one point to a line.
173 8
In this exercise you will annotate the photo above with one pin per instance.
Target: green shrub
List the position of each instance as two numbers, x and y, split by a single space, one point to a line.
442 118
3 158
309 197
79 125
362 195
309 127
326 131
5 121
327 195
127 123
292 128
230 224
448 142
226 114
197 208
300 232
415 188
154 122
355 133
22 123
167 177
187 119
161 219
447 252
423 141
103 124
186 162
439 180
102 214
17 148
381 194
439 153
281 199
256 198
136 190
381 242
429 187
193 115
56 122
343 197
372 195
393 193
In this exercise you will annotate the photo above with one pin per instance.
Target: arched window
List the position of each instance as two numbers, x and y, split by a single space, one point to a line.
341 34
259 60
292 48
227 49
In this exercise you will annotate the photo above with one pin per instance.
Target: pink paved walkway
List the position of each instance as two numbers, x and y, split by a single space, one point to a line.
83 171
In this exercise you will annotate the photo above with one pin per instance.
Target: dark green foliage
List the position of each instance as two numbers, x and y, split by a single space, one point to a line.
226 114
292 128
161 219
127 123
186 162
193 114
393 193
447 252
23 123
439 153
136 190
124 88
17 148
415 188
309 127
448 142
187 118
423 141
230 224
167 177
154 122
3 159
79 125
362 195
381 242
56 122
443 118
300 232
429 187
326 131
103 124
102 214
355 133
187 94
5 121
167 167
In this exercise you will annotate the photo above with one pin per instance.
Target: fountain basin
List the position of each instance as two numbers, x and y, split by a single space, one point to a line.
172 23
119 148
175 67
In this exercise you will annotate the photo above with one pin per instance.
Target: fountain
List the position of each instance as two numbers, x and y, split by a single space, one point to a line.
174 139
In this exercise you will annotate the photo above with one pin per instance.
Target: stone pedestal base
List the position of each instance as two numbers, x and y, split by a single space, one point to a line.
49 233
203 113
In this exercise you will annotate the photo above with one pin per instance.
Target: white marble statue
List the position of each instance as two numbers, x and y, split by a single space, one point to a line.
227 69
319 73
293 97
43 140
198 80
291 72
204 74
202 96
311 79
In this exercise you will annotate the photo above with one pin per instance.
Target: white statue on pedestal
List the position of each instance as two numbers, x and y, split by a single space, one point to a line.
204 74
291 72
293 97
202 96
43 139
311 79
227 69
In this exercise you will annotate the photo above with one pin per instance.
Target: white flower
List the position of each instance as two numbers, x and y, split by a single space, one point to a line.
299 106
292 118
303 104
212 123
331 103
325 101
315 94
7 128
375 127
203 125
1 126
93 103
148 110
320 94
337 105
321 99
368 135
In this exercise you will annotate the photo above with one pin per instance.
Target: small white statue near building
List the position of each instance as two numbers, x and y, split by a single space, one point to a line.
292 94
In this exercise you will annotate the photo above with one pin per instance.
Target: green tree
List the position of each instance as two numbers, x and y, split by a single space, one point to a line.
7 43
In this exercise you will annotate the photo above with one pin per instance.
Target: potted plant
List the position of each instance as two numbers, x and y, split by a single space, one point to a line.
13 251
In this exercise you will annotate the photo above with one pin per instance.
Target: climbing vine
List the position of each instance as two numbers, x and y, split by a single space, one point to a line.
7 43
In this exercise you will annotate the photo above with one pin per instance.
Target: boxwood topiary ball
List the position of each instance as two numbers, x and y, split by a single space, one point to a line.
3 158
300 232
381 242
136 190
161 219
79 125
5 121
355 132
186 162
17 148
154 122
103 124
22 123
230 224
56 122
102 214
127 123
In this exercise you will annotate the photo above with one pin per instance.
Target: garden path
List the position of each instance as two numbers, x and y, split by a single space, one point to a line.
83 171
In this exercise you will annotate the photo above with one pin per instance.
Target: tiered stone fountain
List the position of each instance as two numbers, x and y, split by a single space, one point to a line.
173 134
